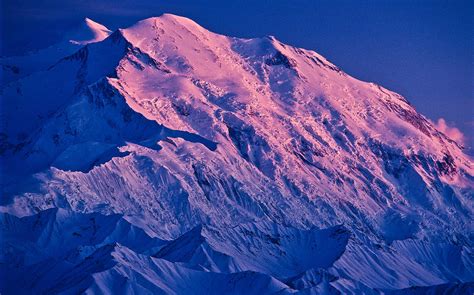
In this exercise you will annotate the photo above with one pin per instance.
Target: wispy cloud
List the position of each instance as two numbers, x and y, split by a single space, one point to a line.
450 130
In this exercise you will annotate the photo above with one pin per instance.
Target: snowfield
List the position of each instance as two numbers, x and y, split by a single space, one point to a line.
166 159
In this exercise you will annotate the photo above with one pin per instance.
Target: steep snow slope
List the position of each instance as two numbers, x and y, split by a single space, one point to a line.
16 67
260 163
89 32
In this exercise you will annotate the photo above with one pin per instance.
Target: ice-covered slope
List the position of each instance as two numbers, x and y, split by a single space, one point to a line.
256 160
88 31
17 67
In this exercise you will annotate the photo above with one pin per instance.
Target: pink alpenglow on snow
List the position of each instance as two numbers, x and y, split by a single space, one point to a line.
89 32
168 159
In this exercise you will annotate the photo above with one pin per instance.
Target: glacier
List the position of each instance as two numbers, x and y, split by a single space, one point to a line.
167 159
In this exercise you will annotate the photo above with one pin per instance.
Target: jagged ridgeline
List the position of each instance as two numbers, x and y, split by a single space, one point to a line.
164 158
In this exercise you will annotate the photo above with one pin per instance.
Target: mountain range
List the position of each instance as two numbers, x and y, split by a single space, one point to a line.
167 159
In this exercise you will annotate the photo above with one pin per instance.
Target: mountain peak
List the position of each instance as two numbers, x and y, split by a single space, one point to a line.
88 31
165 23
88 20
168 19
165 125
169 16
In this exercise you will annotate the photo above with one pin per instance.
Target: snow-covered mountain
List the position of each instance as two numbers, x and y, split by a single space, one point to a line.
170 159
17 67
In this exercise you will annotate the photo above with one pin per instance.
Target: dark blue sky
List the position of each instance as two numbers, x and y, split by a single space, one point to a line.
421 49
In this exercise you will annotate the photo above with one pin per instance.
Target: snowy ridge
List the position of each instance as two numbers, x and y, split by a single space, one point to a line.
239 163
89 32
16 67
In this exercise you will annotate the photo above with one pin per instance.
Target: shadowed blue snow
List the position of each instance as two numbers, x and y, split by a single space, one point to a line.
356 195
